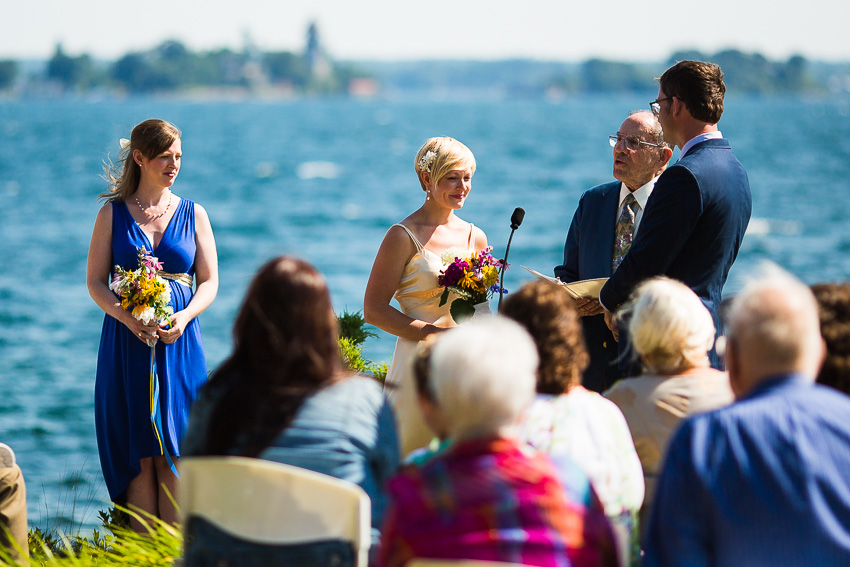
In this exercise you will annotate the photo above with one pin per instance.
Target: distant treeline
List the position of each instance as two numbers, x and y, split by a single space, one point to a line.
750 73
173 67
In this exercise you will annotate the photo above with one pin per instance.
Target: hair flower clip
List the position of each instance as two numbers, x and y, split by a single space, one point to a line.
427 160
124 143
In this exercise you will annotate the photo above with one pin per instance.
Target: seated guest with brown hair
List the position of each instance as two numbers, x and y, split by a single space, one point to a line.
431 414
488 496
672 332
284 396
567 419
834 313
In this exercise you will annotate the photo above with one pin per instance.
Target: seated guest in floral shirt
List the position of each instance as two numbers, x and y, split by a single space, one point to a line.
488 496
567 419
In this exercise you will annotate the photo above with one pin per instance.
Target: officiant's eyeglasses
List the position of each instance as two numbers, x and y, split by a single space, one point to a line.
655 105
633 143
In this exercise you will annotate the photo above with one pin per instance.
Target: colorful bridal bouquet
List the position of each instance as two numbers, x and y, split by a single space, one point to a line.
143 290
474 277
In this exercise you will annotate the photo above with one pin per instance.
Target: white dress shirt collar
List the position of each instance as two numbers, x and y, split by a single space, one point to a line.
641 193
641 196
697 139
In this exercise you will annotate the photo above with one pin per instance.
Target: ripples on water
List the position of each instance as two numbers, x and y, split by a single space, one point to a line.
324 180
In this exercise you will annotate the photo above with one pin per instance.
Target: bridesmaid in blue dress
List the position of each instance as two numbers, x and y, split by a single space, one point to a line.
136 455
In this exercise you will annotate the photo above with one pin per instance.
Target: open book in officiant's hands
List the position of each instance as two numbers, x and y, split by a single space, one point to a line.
577 290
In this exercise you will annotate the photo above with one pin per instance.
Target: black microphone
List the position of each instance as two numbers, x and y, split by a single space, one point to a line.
516 219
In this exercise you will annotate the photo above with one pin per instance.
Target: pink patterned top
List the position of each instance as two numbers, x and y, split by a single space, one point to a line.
495 500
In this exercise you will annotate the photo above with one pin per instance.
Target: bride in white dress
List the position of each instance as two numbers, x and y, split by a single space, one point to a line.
407 265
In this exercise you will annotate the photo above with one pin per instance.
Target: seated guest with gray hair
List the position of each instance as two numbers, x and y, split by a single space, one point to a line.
763 481
672 332
489 497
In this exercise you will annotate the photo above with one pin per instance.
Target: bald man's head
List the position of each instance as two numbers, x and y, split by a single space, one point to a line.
773 328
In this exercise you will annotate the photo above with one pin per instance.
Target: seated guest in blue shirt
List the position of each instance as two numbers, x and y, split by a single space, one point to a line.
283 395
763 481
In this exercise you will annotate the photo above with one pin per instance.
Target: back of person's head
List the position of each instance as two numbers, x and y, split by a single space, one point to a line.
285 348
549 315
773 328
287 318
834 312
670 328
483 376
699 85
438 156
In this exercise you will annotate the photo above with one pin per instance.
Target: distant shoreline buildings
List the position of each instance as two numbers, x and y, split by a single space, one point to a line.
171 68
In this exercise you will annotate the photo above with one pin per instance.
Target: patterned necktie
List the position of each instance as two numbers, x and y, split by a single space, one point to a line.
625 231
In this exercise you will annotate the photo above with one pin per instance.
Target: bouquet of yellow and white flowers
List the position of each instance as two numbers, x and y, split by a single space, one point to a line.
474 277
143 290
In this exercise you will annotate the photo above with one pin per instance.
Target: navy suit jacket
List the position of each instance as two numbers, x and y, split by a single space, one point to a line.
587 255
691 230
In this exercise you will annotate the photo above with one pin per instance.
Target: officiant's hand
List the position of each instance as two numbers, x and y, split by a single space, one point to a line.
170 333
588 306
611 321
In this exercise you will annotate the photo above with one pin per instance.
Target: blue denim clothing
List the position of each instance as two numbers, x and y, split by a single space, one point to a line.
346 430
761 482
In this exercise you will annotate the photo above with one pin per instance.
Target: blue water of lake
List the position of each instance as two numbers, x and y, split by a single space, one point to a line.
323 180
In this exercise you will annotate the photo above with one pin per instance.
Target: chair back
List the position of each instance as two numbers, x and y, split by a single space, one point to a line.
420 562
271 504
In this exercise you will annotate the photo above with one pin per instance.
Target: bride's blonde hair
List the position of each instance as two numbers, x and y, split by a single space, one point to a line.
438 156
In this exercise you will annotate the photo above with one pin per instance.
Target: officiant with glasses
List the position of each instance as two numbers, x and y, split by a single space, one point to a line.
602 230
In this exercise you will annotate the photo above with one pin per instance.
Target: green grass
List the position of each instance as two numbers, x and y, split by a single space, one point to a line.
117 544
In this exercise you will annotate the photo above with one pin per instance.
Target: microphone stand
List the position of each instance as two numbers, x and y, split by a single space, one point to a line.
516 220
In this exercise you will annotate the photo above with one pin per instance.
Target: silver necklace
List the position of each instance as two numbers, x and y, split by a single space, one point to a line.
145 209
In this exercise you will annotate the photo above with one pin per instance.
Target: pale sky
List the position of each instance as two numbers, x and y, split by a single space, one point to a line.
562 30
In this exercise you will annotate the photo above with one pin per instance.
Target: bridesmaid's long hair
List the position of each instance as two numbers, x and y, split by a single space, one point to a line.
151 137
285 349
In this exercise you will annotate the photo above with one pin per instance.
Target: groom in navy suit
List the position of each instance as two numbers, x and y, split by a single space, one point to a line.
640 156
698 213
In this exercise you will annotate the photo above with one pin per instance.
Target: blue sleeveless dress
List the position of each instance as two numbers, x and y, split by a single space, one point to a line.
125 434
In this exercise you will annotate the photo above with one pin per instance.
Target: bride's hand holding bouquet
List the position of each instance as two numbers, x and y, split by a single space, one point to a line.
474 277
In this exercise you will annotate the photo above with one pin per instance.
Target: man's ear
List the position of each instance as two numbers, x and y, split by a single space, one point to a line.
678 106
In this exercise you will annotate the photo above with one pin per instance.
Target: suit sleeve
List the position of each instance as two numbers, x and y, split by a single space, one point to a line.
678 533
569 270
672 212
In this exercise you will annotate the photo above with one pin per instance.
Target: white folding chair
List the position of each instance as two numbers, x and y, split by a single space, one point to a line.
268 503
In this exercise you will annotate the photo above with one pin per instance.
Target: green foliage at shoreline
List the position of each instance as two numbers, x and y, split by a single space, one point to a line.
353 333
